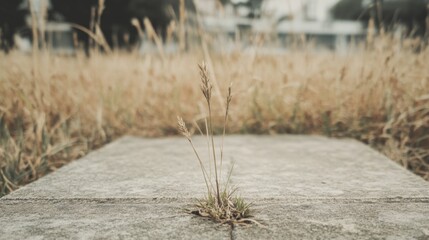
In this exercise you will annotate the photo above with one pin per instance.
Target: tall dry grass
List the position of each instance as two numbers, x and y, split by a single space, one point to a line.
56 109
221 203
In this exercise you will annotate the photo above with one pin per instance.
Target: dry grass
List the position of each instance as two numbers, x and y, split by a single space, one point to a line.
220 204
55 109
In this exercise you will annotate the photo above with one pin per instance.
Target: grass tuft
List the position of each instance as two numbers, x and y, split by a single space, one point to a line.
220 204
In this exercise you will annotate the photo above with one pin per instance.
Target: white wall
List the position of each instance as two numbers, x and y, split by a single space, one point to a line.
317 10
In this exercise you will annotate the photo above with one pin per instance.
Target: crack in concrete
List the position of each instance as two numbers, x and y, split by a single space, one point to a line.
98 200
254 200
346 200
232 235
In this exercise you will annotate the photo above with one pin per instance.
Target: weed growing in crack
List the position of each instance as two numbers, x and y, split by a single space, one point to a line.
221 204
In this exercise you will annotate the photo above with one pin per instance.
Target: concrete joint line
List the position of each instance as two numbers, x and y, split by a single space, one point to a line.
191 200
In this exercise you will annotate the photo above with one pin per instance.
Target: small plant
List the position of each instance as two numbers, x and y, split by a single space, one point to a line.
220 203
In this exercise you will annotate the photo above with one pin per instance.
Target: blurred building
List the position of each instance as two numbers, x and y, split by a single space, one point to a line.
285 19
233 24
312 10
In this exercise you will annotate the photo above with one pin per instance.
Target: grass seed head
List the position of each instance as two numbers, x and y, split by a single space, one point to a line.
228 99
182 128
206 85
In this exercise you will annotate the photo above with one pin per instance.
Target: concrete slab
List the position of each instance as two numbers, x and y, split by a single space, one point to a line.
302 187
339 220
104 219
300 167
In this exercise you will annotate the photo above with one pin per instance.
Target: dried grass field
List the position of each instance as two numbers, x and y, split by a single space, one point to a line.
54 109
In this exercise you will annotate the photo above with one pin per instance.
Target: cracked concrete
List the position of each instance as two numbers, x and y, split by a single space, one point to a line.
301 186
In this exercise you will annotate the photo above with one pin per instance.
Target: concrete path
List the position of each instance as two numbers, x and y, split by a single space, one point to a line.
302 187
